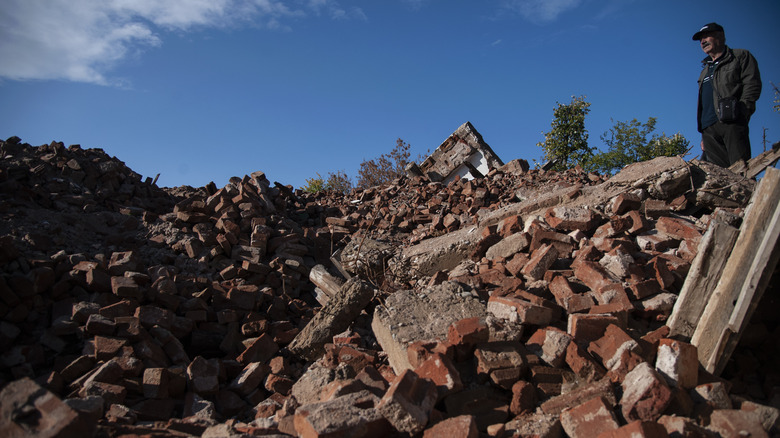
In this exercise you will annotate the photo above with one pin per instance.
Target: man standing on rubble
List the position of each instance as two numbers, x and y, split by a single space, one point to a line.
729 86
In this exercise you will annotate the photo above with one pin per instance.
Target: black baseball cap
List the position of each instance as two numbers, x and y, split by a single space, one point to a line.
709 27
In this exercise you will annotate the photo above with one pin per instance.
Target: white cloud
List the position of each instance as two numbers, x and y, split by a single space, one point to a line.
541 11
81 40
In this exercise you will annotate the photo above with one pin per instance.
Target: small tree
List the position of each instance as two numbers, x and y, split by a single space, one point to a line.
338 182
384 169
566 145
314 185
628 142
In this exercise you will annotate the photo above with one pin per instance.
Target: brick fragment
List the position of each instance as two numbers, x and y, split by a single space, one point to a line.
155 383
571 218
541 260
602 388
523 398
203 376
487 404
736 423
349 415
260 349
463 426
589 419
509 246
678 362
550 344
27 409
586 328
522 311
583 364
645 394
610 347
408 402
439 369
637 429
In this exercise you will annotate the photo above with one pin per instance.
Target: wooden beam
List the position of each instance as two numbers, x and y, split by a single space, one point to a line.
714 336
703 276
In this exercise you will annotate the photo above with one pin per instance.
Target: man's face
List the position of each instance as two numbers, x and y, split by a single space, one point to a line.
711 43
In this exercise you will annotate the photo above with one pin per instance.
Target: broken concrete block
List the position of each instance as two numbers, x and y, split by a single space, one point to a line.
334 318
437 254
409 316
351 414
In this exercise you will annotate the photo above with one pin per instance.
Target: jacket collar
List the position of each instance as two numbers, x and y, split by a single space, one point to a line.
727 54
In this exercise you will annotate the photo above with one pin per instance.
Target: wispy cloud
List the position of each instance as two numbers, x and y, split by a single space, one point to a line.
541 11
81 40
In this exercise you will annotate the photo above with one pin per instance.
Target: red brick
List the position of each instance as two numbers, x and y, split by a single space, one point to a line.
563 243
589 419
626 202
550 345
583 364
644 288
464 426
261 349
251 377
125 287
492 356
523 398
25 399
571 218
586 328
107 347
408 402
645 394
736 423
540 262
677 228
637 429
203 376
489 405
155 383
610 347
153 315
593 275
582 393
510 225
517 310
678 362
469 331
439 369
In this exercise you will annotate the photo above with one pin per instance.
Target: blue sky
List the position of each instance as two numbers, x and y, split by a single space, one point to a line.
202 90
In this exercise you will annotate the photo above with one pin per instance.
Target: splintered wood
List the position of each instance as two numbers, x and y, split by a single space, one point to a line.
742 282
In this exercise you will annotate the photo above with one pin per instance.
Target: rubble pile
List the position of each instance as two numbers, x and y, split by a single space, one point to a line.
524 303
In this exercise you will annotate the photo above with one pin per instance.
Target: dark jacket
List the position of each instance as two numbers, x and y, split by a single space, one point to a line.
736 75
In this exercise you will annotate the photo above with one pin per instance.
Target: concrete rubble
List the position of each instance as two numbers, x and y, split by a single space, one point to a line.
519 303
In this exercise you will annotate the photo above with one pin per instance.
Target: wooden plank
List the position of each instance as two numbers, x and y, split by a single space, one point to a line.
703 276
712 333
760 273
757 164
325 282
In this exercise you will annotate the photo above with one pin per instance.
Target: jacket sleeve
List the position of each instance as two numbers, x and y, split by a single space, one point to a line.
751 81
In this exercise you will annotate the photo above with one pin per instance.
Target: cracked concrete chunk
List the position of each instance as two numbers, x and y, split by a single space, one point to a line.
410 316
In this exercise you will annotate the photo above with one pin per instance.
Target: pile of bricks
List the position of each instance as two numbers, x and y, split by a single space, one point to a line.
524 303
